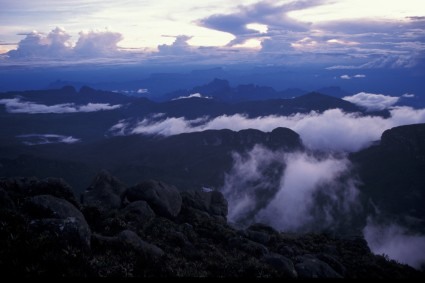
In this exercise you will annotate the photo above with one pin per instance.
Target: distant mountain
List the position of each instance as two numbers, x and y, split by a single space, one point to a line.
222 91
335 91
392 175
92 126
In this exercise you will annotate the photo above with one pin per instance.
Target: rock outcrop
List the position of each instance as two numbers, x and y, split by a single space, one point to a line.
156 231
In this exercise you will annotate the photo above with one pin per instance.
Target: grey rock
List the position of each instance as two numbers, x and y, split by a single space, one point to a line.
281 264
5 201
259 237
311 267
165 200
59 216
104 192
132 240
333 262
212 202
138 213
250 247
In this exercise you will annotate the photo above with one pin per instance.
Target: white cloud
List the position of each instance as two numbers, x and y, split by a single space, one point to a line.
193 95
359 76
97 43
347 77
280 189
396 242
57 45
295 208
37 139
331 130
371 101
15 105
408 95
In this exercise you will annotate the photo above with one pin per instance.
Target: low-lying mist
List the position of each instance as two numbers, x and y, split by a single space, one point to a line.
332 130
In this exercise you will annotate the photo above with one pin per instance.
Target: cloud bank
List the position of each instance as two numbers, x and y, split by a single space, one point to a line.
16 105
38 139
371 101
332 130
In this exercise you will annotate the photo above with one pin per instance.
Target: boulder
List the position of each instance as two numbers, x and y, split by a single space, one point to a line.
104 192
59 217
165 200
282 264
5 201
133 241
138 213
19 187
311 267
212 202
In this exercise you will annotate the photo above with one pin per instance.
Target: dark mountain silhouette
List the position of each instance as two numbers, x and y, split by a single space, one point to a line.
190 161
222 91
392 174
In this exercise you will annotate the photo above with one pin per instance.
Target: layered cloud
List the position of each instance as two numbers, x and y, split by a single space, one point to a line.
331 130
38 139
371 101
276 32
16 105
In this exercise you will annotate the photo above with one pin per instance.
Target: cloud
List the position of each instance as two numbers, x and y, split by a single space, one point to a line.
408 95
347 77
193 95
264 13
281 190
252 182
371 101
37 139
331 130
16 105
396 242
57 45
295 207
97 44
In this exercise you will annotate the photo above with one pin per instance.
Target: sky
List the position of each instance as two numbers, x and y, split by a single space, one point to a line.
343 34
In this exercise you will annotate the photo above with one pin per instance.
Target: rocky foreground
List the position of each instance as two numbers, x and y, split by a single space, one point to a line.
153 230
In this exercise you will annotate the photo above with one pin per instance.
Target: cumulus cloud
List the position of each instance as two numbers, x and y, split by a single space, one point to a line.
331 130
371 101
16 105
345 77
97 43
281 190
37 139
193 95
396 242
57 45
